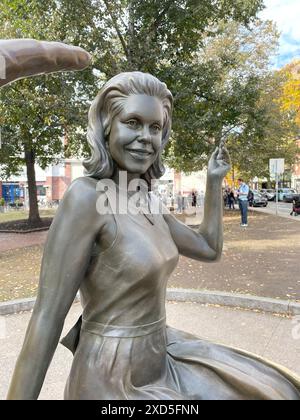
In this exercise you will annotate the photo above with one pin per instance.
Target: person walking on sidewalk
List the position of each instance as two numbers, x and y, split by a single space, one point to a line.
231 200
243 193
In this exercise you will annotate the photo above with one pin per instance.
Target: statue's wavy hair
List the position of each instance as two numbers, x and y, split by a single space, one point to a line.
109 103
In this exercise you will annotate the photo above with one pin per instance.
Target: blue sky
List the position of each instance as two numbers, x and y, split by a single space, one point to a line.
286 13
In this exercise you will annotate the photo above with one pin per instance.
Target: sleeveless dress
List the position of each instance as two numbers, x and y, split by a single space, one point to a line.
123 349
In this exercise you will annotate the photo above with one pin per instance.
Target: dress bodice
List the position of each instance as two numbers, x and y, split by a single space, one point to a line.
126 283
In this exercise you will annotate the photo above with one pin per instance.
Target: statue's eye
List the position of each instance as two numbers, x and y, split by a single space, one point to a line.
132 123
156 128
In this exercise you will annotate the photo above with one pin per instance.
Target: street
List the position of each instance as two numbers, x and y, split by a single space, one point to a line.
284 209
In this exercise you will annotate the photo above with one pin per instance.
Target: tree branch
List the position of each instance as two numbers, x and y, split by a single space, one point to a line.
115 24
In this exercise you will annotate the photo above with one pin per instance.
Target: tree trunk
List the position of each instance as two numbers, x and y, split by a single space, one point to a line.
131 47
233 175
34 216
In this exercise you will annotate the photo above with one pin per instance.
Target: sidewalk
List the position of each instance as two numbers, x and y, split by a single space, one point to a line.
263 334
9 241
281 213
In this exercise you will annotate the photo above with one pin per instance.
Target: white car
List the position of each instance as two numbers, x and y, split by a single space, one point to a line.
269 194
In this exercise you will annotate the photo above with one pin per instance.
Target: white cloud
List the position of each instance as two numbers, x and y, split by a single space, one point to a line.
286 14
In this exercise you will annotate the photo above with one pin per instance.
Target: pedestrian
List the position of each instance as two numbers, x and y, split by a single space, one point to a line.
243 192
194 199
184 203
296 207
231 200
225 198
251 198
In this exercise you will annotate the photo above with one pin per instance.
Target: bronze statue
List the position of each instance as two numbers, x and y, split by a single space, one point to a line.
120 263
27 57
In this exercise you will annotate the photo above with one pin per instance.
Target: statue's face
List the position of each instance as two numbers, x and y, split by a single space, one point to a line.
136 133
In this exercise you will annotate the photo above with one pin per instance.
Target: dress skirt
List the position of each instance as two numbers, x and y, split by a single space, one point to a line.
155 362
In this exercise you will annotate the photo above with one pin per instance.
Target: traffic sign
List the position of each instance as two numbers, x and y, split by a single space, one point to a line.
276 166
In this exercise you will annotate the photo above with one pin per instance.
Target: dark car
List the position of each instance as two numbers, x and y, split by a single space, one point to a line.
289 195
258 200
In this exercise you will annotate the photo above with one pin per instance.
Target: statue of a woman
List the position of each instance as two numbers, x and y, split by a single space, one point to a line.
120 262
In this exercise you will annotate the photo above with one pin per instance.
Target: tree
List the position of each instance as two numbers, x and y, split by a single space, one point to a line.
35 118
39 114
169 39
290 98
269 134
224 91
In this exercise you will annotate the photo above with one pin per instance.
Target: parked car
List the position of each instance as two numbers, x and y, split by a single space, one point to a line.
286 194
258 200
269 194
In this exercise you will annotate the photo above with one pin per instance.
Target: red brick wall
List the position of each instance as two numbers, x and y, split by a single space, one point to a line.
59 184
57 187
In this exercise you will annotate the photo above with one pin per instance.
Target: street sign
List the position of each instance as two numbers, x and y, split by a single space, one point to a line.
276 166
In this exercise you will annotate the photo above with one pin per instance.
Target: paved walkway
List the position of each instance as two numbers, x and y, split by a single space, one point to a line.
263 334
284 210
19 240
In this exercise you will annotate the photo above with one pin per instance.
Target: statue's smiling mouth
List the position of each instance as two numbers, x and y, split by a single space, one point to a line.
139 153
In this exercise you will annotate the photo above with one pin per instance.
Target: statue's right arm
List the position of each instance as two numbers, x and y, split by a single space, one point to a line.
21 58
65 261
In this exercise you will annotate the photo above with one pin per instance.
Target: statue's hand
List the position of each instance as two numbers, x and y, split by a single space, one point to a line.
219 163
26 57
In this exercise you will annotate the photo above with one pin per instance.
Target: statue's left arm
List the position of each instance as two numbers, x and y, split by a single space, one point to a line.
26 57
206 244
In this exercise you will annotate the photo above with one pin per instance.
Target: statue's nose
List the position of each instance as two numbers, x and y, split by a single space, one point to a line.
145 136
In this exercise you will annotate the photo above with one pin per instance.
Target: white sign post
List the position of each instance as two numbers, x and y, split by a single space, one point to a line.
2 67
276 169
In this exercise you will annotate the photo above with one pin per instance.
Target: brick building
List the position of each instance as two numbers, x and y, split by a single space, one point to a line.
59 177
51 183
54 181
15 188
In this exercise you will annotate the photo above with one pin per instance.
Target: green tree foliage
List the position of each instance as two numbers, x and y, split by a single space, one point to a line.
270 133
212 54
36 119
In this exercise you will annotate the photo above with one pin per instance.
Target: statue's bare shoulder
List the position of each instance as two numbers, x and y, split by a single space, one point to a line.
79 203
83 188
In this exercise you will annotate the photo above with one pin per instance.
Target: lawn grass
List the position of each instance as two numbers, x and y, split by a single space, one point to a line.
19 272
21 214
